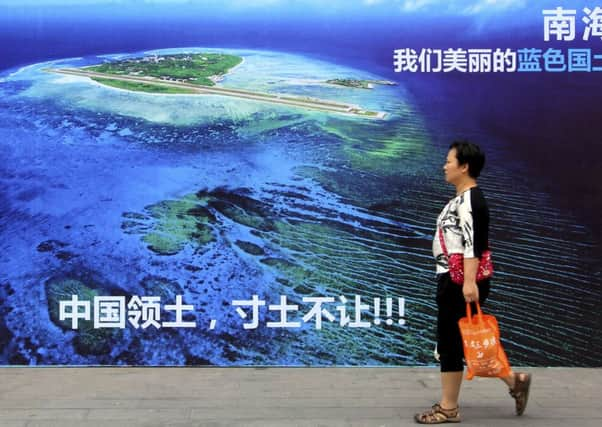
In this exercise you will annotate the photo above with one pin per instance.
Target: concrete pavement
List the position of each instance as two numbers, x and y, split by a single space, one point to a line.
266 397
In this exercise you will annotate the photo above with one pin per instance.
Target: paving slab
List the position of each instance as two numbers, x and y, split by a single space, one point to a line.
281 397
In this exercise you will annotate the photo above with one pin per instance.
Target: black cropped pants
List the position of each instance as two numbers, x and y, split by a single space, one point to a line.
451 308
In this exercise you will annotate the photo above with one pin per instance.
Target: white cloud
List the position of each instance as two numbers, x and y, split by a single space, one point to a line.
464 7
482 6
415 5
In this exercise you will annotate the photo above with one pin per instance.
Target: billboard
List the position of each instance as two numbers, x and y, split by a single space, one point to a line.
256 183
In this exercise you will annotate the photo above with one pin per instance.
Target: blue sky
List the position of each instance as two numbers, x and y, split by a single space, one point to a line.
494 14
401 7
380 24
469 18
481 13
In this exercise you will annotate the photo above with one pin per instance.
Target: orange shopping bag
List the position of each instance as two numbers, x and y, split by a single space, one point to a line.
483 351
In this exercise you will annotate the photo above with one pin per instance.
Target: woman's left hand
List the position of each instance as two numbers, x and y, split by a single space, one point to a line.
470 291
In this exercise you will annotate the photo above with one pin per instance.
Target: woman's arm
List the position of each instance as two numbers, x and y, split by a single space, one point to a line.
470 289
474 221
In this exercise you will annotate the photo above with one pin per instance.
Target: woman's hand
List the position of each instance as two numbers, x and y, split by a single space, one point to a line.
470 291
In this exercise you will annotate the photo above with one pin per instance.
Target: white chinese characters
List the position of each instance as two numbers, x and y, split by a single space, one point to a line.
142 312
559 23
111 312
497 61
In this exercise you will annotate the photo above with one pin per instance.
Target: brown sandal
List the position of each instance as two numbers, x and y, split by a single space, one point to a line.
520 392
438 415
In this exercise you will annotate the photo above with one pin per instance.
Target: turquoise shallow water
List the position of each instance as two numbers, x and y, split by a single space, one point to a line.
219 199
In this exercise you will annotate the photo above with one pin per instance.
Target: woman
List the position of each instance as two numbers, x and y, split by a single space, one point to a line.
464 223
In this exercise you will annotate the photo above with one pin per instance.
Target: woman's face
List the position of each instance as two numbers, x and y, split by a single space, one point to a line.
453 171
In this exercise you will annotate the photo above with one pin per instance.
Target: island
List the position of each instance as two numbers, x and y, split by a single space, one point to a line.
360 84
200 68
196 73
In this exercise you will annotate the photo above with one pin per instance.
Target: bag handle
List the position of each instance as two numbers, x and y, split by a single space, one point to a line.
442 242
469 312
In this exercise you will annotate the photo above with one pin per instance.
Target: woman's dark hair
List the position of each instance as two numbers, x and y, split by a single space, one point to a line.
467 152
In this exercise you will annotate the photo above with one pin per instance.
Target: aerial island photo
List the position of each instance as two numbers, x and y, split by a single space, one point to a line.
199 73
231 183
